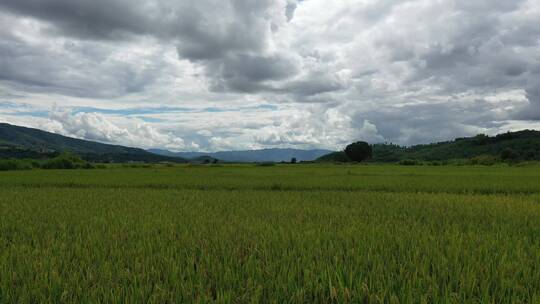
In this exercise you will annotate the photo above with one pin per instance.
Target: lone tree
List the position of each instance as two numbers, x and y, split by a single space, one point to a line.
359 151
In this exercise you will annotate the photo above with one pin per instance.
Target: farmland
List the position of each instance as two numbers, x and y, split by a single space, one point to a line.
285 233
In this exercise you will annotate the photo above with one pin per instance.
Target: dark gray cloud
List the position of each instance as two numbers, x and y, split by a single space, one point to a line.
532 111
80 69
211 30
97 19
313 84
231 41
247 73
228 38
289 10
487 7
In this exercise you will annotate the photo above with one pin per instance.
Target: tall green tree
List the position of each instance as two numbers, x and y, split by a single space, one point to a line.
359 151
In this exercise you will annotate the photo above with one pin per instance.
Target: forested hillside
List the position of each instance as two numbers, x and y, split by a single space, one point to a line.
21 142
521 145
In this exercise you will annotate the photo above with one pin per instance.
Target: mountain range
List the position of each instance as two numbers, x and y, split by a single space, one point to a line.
263 155
22 142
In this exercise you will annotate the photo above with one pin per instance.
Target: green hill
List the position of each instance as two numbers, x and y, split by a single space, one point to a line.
520 145
339 157
21 142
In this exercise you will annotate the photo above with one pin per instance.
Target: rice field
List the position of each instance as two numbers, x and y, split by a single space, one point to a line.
279 234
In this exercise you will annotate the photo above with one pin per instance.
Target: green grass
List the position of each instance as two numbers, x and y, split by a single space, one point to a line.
281 234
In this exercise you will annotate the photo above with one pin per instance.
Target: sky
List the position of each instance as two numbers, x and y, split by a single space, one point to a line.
211 75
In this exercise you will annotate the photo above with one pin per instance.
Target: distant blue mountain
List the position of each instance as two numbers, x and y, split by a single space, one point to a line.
264 155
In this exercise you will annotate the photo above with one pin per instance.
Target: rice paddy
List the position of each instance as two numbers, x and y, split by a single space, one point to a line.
279 234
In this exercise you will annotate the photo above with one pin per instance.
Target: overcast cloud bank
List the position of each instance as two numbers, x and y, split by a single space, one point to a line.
282 73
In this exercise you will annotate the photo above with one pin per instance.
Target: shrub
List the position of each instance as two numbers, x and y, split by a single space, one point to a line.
87 165
137 165
409 162
484 160
58 163
459 162
8 164
35 164
15 164
66 161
